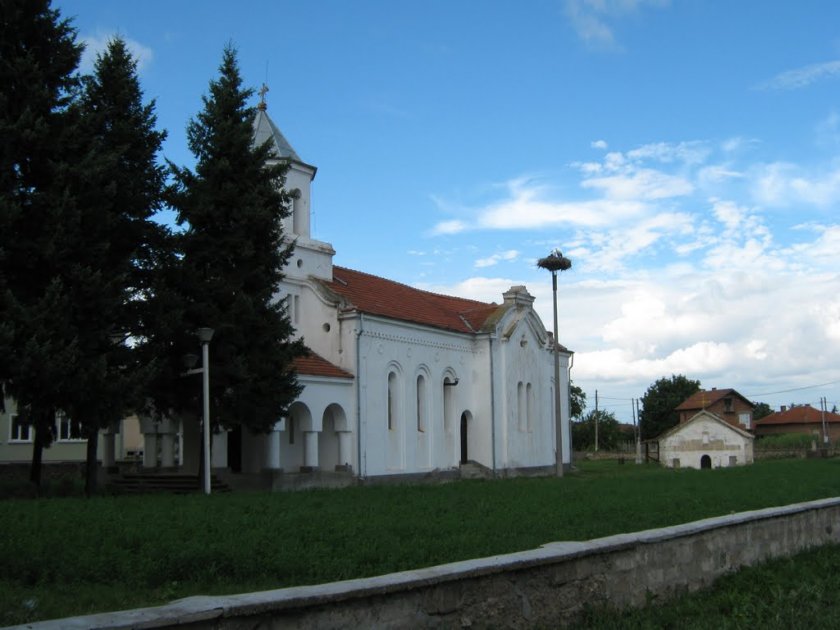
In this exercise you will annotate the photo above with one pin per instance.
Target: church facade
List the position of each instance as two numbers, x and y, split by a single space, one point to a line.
399 381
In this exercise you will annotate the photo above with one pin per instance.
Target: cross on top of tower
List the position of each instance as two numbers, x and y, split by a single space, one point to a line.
262 92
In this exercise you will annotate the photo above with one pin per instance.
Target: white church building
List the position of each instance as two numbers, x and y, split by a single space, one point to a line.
400 381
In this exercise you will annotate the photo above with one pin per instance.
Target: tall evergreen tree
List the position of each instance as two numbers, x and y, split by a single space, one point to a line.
234 252
38 59
117 189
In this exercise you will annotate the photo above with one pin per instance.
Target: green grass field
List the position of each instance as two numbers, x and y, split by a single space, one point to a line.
67 556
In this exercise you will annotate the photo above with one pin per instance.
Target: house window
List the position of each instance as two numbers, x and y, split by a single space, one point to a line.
727 405
421 403
392 401
733 460
68 430
18 431
675 462
745 419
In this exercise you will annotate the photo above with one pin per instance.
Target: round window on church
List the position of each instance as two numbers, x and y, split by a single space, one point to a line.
326 327
299 263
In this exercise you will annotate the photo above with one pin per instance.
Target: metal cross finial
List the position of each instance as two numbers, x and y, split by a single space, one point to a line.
262 92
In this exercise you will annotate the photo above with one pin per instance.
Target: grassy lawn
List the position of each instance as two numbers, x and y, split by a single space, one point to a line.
71 556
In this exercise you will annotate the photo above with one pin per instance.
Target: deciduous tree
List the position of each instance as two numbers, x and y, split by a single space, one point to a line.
660 401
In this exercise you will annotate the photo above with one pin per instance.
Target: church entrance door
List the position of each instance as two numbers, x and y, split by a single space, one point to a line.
234 449
705 462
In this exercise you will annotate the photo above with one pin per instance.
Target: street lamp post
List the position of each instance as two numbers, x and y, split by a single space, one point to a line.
555 262
204 336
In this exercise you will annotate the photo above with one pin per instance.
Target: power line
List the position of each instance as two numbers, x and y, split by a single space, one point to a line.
794 389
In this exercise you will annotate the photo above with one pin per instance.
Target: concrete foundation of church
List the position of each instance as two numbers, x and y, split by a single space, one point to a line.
547 587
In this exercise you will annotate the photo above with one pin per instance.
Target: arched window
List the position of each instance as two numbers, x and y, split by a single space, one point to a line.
422 405
520 406
392 401
529 411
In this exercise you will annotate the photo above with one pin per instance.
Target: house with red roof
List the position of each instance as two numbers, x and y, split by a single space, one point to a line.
399 381
803 419
727 404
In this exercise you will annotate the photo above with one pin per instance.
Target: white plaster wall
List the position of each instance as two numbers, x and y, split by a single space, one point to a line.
299 177
410 350
524 359
687 444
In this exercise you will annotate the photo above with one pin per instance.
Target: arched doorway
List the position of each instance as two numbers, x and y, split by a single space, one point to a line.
234 449
464 441
705 462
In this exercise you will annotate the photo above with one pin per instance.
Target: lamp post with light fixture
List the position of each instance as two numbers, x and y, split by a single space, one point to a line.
555 262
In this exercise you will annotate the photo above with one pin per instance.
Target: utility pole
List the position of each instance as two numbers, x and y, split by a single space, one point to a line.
637 430
595 419
823 405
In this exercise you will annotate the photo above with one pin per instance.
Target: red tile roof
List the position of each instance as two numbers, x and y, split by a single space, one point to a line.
378 296
800 414
316 365
706 398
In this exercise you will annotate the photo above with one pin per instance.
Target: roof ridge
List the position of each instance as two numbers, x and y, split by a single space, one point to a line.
478 303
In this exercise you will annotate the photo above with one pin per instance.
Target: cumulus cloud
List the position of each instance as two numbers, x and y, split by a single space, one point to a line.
97 44
681 265
599 144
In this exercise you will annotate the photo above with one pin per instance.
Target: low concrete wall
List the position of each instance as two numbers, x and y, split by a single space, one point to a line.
543 587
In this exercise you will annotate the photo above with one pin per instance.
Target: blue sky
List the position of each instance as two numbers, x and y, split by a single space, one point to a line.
685 155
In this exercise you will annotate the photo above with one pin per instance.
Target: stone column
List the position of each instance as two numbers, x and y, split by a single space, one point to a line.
345 450
310 451
167 450
149 428
109 451
150 450
272 449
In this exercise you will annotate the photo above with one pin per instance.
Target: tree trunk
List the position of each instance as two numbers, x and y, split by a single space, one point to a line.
91 468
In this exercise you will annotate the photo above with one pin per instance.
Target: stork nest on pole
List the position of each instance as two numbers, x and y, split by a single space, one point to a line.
555 261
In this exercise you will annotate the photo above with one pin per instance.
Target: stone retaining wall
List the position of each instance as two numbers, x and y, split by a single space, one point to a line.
542 587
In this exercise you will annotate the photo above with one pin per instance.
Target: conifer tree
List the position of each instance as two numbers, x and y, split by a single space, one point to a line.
38 59
234 252
116 189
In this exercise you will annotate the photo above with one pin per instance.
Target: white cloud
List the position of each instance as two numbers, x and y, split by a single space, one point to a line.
453 226
509 255
802 77
599 144
592 19
679 265
643 184
97 44
781 184
686 152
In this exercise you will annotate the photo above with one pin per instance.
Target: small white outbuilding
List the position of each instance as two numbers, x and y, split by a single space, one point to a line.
705 441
